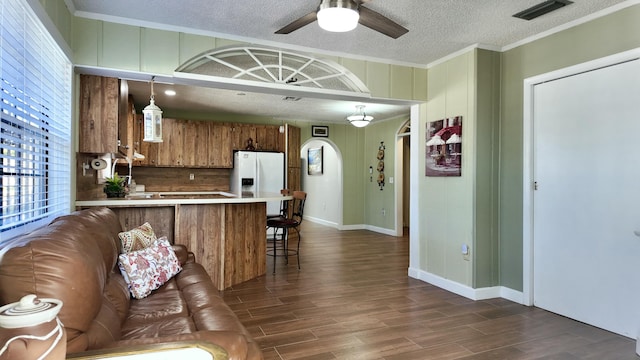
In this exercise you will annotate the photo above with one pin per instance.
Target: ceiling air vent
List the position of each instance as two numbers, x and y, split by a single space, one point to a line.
541 9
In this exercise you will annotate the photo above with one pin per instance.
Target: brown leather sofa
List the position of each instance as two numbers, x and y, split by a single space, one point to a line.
74 259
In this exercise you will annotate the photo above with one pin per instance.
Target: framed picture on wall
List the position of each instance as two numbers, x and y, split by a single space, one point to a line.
314 161
443 153
319 131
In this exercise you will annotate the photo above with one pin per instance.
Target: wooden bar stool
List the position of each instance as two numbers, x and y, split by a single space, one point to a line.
285 223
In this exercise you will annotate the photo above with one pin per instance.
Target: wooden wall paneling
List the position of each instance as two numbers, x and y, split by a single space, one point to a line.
148 149
196 144
201 229
220 145
98 132
161 219
164 179
87 187
170 149
245 242
293 158
293 178
293 146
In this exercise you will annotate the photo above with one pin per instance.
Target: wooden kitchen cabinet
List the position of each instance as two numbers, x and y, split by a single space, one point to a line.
195 150
171 149
240 134
269 138
99 97
220 149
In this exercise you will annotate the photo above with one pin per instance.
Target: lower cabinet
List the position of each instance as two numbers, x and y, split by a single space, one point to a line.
229 240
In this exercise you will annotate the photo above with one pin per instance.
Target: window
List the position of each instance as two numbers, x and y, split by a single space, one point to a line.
266 65
35 132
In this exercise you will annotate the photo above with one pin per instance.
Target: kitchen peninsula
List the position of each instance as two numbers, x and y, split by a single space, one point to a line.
225 231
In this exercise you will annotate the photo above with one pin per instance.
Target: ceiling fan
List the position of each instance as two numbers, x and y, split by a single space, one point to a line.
329 11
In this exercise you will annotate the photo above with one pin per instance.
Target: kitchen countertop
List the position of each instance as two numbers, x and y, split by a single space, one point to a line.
191 197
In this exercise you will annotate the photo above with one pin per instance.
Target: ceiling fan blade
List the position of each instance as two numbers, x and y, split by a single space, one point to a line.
297 24
378 22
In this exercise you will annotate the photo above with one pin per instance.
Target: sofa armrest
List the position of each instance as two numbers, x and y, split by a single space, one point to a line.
237 346
177 350
182 253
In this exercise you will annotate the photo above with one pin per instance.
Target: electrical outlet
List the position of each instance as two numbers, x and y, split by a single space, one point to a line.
384 212
192 176
466 252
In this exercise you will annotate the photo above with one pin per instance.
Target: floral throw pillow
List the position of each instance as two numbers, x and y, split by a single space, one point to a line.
147 269
138 238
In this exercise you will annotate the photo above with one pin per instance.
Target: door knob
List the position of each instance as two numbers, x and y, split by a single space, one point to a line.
637 233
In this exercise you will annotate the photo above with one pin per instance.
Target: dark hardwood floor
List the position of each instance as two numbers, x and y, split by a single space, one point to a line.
353 300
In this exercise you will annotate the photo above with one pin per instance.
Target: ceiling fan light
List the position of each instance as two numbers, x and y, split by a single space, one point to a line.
338 15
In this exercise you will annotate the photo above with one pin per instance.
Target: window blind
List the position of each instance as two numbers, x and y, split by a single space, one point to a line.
35 132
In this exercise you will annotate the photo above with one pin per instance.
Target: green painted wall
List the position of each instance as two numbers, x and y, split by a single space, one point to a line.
60 16
118 46
351 142
486 154
601 37
446 203
375 199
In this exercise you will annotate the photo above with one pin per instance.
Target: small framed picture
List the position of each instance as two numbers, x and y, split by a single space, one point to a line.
314 161
319 131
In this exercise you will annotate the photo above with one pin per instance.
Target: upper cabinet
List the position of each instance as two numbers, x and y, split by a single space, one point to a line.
171 150
109 124
196 144
220 147
204 144
99 97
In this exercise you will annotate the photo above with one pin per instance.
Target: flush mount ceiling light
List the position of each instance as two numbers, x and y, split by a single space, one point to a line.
152 120
360 119
541 9
338 15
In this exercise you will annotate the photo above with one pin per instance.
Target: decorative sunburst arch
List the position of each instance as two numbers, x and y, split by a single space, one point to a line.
270 66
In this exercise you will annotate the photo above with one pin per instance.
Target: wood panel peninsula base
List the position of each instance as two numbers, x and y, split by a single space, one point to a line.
227 237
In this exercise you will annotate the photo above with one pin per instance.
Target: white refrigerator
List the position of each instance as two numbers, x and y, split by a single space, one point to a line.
258 172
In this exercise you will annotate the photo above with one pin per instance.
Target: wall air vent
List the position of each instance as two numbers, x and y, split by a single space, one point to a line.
541 9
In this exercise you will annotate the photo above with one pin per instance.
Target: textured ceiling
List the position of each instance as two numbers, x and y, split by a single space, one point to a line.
437 28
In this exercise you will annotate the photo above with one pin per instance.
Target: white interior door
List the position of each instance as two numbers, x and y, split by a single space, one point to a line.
587 203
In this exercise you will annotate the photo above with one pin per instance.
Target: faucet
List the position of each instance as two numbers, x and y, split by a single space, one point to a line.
113 168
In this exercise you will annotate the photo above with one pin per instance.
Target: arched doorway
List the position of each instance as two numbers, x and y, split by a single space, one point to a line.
324 189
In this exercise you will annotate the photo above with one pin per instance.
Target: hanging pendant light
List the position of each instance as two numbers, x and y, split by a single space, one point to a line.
152 120
359 118
338 15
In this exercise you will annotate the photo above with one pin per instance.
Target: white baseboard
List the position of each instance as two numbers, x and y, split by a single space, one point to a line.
381 230
322 222
350 227
467 291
